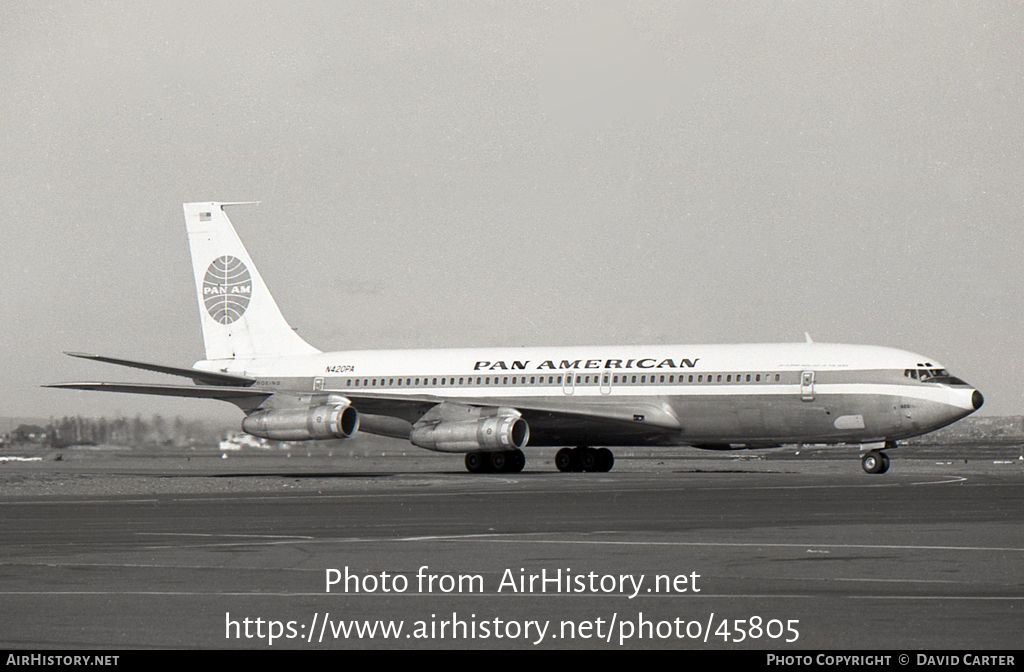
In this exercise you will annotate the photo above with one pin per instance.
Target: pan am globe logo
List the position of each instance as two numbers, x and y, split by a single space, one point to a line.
227 289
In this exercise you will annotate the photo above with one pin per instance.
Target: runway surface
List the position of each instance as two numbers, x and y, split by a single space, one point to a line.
930 555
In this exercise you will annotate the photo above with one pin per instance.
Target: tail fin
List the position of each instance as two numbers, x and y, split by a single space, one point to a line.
239 316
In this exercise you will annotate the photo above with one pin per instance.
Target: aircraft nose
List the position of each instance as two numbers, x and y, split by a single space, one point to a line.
977 400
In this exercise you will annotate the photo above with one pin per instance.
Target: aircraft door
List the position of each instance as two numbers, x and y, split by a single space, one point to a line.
807 386
569 382
606 382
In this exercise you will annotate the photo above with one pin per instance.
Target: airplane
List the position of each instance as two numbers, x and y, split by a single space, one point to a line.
492 403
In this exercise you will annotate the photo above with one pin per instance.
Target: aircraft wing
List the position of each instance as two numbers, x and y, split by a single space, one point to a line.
552 422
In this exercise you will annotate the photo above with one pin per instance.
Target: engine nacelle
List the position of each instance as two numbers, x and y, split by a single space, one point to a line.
497 433
304 424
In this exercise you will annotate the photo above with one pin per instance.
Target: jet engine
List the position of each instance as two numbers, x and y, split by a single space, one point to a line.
330 421
497 433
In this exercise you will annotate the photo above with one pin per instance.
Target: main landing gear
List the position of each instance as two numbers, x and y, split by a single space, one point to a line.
876 462
584 458
503 462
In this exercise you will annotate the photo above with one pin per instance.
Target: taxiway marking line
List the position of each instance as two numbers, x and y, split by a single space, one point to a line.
167 593
391 595
467 493
211 534
514 539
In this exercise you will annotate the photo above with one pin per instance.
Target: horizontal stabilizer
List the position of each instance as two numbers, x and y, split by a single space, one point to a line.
196 391
207 377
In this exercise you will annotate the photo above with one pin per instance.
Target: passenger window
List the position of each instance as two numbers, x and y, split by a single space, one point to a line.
348 382
504 381
433 381
757 378
776 377
634 379
719 377
728 379
748 377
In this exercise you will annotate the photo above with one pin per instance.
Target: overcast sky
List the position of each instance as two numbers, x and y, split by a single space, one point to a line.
447 174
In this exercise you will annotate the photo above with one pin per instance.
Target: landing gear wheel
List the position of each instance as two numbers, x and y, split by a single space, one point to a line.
885 463
516 461
476 463
566 460
874 462
499 461
584 458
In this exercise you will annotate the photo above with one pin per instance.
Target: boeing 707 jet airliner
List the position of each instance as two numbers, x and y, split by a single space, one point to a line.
492 403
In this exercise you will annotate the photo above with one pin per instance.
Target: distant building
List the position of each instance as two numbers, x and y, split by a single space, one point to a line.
28 434
239 440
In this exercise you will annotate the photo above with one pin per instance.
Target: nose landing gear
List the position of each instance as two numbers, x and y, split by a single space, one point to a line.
875 462
584 458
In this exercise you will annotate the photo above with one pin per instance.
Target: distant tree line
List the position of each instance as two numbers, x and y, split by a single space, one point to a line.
135 432
996 429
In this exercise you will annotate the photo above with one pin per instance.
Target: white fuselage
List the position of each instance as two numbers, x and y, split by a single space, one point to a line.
712 395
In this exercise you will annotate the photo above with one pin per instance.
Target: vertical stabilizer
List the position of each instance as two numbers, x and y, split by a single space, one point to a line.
239 316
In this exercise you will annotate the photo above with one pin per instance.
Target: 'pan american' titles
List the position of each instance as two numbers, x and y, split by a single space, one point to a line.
644 363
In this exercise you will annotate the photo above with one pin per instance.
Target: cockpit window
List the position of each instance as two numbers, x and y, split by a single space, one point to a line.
940 376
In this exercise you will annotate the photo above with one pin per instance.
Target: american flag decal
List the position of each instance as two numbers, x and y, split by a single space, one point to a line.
204 216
